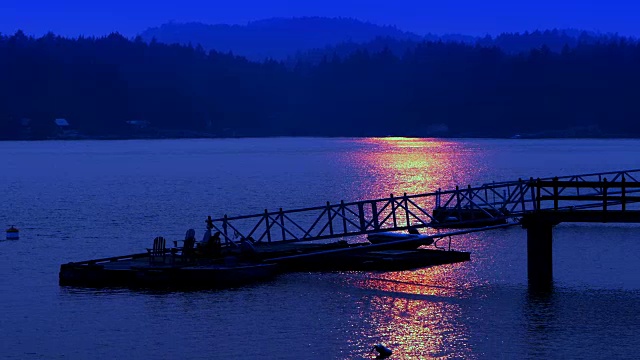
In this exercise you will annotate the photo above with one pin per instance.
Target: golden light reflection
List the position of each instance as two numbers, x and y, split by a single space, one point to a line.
418 314
413 165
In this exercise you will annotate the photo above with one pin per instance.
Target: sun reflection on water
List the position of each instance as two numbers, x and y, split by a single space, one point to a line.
415 313
399 165
418 314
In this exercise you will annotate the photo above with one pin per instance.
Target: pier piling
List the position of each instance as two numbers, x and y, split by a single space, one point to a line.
539 250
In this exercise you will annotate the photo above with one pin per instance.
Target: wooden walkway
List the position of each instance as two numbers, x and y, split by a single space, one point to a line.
469 207
536 204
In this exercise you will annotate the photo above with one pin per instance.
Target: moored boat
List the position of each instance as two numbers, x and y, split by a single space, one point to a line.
460 218
393 237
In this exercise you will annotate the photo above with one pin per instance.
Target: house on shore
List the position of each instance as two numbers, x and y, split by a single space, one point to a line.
138 124
64 130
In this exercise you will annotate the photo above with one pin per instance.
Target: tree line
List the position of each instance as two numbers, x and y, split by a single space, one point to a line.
432 89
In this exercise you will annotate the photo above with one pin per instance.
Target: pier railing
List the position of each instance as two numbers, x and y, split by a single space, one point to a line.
487 204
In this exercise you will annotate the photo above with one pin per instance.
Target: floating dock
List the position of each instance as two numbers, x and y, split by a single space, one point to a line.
137 270
232 267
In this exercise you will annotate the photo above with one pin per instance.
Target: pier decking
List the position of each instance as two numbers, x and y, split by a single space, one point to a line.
234 269
138 271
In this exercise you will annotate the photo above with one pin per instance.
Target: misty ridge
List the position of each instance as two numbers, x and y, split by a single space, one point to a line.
310 38
552 83
275 38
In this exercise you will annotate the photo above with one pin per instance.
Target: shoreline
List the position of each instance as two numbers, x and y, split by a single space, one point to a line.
118 138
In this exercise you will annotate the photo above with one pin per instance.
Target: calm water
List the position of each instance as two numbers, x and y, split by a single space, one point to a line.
79 200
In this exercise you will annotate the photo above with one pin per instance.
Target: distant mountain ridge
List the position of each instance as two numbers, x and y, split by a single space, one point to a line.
275 38
313 38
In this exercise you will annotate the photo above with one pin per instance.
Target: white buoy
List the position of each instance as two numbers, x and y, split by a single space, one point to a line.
13 233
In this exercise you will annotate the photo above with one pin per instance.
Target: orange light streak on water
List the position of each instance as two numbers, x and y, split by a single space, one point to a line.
414 165
416 313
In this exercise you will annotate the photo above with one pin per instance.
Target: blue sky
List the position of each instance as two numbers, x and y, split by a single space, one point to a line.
74 17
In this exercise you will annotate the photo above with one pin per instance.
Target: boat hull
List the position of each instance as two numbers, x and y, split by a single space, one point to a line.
462 218
392 238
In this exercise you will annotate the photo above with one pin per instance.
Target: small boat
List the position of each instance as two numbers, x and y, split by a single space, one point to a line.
393 237
465 217
392 252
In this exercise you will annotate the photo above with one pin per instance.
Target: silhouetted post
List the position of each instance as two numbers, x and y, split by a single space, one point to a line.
605 200
284 234
604 195
329 219
555 193
522 196
533 193
224 229
539 250
266 221
363 224
470 200
374 211
538 189
623 196
393 210
406 209
344 217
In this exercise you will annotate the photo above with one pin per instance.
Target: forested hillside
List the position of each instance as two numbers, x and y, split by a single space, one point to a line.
433 89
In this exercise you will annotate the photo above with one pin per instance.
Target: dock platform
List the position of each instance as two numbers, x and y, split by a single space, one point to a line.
379 260
233 269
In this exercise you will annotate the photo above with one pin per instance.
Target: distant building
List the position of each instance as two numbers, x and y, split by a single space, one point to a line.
64 129
62 123
138 124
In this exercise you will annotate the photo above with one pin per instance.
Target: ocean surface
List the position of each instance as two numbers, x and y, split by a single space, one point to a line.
78 200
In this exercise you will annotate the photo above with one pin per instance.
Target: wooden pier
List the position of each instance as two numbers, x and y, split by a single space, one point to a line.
539 203
535 204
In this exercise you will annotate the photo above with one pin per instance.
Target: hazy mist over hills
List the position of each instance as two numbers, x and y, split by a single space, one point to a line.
314 37
275 38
